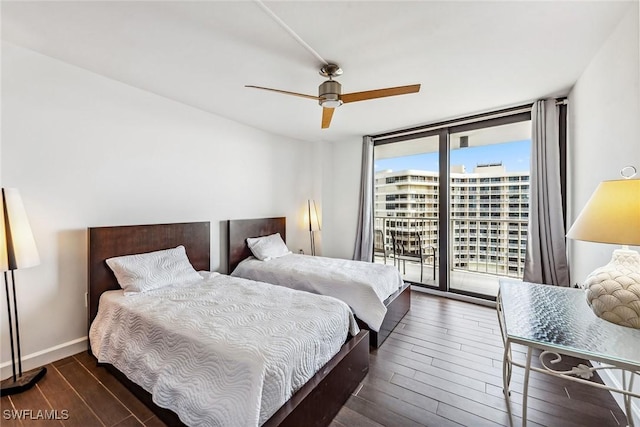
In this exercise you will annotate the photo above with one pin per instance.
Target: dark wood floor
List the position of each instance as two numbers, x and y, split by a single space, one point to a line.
442 366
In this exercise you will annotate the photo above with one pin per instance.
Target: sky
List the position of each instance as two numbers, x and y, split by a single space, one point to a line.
514 156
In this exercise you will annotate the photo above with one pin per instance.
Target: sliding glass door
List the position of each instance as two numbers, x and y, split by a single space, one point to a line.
465 245
489 183
407 181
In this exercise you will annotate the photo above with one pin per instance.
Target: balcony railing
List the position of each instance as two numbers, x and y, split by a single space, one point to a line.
397 237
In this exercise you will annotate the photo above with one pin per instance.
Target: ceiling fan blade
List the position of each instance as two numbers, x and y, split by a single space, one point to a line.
302 95
379 93
327 114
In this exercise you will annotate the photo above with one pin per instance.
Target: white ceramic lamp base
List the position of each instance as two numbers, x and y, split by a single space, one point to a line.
613 291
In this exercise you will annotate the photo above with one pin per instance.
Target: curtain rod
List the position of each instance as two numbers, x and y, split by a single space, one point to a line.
463 120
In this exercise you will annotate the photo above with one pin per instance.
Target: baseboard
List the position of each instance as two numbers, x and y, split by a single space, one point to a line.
451 295
43 357
612 381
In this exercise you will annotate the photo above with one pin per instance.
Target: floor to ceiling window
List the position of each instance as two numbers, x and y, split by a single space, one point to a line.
481 167
406 206
489 184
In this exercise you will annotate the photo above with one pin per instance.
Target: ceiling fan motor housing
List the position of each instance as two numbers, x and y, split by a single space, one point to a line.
329 93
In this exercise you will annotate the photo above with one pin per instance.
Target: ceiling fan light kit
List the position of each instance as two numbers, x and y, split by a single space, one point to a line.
330 93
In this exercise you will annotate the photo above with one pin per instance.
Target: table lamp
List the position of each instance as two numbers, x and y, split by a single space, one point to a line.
17 250
612 215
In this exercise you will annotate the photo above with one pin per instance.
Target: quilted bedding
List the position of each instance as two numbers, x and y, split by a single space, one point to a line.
222 352
362 285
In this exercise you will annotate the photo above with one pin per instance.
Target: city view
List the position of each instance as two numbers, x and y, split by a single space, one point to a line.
489 200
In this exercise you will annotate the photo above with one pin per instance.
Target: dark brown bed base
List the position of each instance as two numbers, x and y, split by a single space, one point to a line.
315 404
398 304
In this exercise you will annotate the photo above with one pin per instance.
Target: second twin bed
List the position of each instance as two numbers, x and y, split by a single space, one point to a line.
375 292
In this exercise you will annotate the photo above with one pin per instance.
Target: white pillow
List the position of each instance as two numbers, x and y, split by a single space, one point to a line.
268 247
153 270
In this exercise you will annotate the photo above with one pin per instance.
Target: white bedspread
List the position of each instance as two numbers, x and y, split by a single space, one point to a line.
362 285
222 352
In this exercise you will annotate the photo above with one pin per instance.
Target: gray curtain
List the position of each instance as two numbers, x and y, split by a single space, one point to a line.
546 256
364 233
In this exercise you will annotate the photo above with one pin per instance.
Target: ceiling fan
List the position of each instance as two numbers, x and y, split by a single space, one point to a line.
330 94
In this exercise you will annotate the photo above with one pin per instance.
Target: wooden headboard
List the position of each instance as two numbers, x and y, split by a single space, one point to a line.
107 242
238 230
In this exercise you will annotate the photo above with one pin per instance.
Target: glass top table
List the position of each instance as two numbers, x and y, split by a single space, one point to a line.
561 319
558 321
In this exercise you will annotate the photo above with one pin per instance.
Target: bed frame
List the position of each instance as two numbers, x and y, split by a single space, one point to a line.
315 404
398 303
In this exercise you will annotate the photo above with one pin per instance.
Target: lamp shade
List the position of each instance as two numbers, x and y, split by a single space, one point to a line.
312 216
612 214
17 246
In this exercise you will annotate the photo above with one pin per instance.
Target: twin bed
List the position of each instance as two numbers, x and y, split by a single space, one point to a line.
375 292
217 350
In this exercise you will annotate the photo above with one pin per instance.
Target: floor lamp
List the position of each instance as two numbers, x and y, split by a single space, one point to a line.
17 250
314 223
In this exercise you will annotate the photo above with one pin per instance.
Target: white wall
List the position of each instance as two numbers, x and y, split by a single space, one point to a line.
88 151
604 128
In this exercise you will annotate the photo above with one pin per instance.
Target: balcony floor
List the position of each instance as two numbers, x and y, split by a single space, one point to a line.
462 280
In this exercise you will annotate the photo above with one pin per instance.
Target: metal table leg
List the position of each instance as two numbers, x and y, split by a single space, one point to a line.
506 379
525 387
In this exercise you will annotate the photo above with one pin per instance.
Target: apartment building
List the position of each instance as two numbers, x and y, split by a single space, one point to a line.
488 224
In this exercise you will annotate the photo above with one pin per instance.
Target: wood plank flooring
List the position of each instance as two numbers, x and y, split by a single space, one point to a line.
442 366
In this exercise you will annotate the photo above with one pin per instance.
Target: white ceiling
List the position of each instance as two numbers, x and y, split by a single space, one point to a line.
469 56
